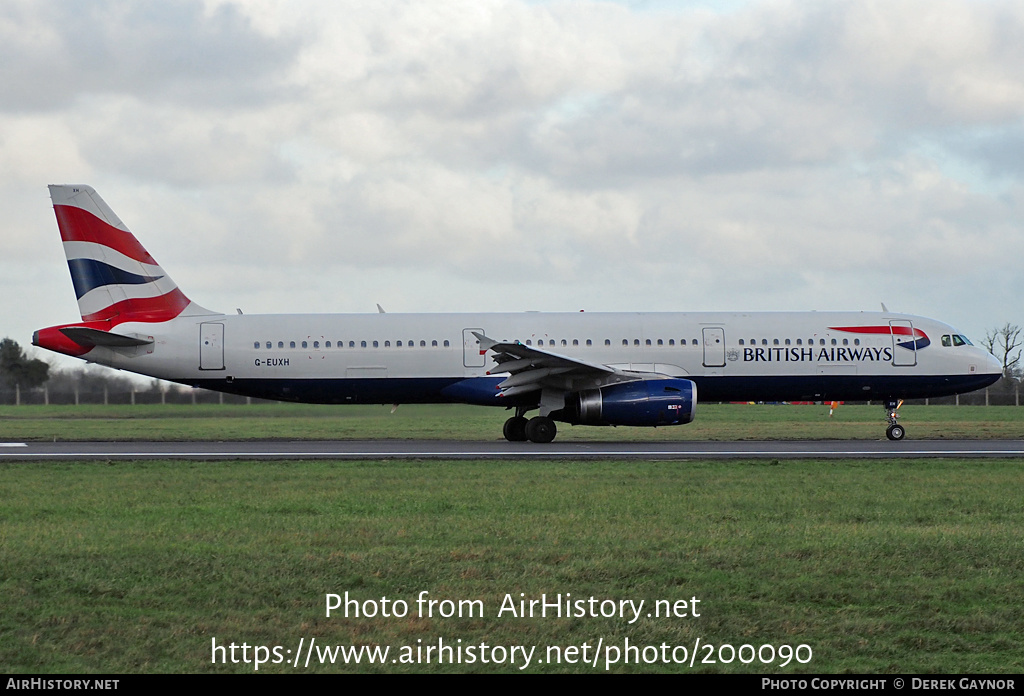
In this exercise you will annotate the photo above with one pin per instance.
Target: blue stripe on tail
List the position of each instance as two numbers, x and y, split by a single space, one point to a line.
89 274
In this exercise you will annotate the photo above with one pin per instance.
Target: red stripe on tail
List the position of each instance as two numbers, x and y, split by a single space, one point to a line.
77 225
148 309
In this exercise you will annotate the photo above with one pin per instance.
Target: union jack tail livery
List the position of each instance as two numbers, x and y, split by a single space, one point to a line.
115 278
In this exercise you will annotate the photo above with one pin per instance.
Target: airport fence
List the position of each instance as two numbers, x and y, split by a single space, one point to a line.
998 395
44 396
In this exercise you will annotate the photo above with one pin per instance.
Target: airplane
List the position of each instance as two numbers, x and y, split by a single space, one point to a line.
582 368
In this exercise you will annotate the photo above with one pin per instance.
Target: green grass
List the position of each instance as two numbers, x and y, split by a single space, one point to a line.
453 422
879 566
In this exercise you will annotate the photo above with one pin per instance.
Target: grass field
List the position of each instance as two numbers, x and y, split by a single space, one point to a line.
452 422
876 566
909 567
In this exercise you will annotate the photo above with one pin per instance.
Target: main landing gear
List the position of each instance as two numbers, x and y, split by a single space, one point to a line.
895 431
540 429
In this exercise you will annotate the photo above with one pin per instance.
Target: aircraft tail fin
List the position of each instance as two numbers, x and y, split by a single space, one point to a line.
115 278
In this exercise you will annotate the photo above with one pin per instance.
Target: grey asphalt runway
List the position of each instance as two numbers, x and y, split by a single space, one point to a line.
438 449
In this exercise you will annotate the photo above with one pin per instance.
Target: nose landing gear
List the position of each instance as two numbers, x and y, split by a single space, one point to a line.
895 431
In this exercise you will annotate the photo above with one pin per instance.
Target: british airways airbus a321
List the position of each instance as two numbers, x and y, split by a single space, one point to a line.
640 369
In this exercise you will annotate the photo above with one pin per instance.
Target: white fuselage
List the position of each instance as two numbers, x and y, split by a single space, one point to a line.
394 358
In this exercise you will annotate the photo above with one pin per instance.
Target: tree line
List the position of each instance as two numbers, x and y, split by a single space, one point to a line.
25 380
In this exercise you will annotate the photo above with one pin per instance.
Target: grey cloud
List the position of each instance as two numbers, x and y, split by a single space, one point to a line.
56 52
785 155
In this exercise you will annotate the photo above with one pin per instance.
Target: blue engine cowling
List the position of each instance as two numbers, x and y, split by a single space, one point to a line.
649 402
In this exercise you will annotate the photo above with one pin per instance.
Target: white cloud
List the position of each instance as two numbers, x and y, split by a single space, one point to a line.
530 154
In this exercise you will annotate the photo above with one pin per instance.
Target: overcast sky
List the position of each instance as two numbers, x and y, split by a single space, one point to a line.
485 155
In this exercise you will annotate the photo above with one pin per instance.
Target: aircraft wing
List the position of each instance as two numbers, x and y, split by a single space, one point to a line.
533 369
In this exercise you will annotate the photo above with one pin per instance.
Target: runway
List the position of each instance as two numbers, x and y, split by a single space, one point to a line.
499 449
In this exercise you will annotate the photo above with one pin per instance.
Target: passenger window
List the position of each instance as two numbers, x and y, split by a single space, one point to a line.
648 341
775 341
291 344
327 345
316 344
446 343
362 344
256 344
376 344
671 341
433 344
741 341
305 344
280 344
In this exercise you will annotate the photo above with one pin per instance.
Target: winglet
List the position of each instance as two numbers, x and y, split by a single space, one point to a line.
485 342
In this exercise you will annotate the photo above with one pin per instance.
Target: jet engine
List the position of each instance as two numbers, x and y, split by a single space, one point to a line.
649 402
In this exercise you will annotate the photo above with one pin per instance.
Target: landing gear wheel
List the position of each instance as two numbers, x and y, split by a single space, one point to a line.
541 430
895 432
515 429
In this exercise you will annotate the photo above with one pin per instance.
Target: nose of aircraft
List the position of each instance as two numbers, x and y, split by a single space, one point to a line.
992 366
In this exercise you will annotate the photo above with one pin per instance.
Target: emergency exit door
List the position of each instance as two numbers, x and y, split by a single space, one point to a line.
714 347
211 346
904 343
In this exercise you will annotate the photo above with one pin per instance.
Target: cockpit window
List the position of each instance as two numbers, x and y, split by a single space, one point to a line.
946 343
959 340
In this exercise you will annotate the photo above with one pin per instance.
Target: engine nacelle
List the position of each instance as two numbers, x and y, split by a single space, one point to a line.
649 402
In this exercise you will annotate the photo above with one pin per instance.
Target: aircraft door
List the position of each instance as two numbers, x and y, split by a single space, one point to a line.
472 354
211 346
904 343
714 347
